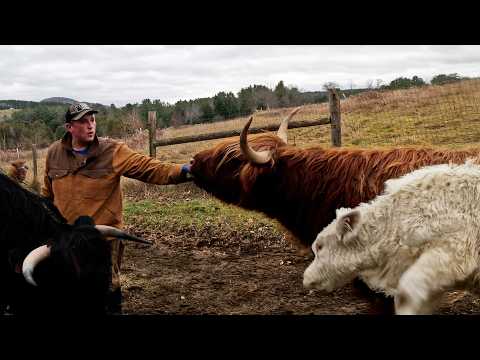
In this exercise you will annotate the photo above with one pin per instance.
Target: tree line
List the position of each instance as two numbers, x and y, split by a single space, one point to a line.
415 81
227 105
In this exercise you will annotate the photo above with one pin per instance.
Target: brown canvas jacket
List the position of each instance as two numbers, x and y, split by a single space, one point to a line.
90 185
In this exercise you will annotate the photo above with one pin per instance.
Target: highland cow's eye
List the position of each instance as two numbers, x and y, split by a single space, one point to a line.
319 247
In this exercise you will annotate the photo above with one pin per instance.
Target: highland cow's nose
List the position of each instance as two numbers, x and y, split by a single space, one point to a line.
307 279
307 283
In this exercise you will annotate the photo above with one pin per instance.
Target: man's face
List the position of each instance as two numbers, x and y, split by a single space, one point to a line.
83 130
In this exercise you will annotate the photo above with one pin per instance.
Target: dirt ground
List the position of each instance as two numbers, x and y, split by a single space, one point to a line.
186 274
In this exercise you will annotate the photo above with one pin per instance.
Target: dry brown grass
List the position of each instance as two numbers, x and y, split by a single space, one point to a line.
261 118
444 116
6 113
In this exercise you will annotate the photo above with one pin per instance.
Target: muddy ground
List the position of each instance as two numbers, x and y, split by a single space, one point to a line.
186 273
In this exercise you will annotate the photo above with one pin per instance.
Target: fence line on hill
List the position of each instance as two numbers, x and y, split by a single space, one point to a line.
334 120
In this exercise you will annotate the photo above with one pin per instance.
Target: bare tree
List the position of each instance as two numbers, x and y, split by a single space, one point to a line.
330 85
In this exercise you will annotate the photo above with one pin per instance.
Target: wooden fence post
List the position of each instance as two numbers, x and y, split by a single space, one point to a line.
34 159
152 122
335 117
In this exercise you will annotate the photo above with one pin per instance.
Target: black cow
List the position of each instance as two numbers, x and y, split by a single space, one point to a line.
48 266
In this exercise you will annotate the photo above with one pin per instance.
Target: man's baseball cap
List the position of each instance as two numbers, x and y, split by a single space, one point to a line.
76 111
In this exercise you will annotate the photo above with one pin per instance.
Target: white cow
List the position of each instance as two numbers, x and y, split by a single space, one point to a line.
416 241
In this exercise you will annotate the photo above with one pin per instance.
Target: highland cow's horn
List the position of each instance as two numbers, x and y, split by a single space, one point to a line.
282 130
256 157
32 260
114 232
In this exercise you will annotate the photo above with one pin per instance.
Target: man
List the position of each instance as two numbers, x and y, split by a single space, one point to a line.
82 177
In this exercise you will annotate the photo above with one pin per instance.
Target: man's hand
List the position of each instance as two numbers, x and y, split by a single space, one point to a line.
186 168
186 171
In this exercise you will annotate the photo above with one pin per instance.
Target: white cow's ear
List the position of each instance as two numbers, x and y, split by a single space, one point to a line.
348 223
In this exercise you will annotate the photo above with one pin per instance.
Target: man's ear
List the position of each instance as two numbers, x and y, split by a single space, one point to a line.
347 223
68 126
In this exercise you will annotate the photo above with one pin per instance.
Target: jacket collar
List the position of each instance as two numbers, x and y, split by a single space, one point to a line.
93 146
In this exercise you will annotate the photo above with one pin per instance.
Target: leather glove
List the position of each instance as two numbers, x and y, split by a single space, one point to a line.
186 171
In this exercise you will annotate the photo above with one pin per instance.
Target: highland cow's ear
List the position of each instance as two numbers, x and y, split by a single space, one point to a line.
348 223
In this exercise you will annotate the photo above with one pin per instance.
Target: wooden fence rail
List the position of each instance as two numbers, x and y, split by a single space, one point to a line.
334 119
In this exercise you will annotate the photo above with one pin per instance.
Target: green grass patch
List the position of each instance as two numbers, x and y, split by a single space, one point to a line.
183 211
198 212
204 222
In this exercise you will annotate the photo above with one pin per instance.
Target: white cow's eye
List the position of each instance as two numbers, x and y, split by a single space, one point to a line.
319 247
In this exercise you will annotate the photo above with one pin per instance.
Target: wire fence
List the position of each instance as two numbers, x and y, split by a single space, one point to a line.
430 115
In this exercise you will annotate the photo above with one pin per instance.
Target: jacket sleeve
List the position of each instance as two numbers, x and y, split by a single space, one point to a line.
141 167
47 183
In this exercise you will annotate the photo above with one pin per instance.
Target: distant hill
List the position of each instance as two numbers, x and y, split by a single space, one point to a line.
68 101
59 100
16 104
21 104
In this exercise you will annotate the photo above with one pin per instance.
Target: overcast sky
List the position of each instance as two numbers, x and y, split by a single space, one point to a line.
129 74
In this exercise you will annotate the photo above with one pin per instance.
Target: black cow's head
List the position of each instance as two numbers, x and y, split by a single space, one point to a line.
73 272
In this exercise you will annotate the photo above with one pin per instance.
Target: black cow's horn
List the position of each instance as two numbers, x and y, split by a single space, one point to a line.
33 258
256 157
114 232
282 130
